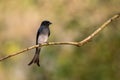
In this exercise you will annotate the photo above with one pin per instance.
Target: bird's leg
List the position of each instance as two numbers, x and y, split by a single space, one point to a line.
46 42
39 44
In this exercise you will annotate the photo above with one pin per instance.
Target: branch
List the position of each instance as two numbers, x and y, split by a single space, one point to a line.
78 44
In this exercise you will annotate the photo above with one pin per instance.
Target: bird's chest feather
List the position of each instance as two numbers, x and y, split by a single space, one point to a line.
42 38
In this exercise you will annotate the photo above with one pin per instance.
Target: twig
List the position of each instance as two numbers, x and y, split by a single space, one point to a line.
79 44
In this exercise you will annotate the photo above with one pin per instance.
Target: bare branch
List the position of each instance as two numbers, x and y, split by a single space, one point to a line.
79 44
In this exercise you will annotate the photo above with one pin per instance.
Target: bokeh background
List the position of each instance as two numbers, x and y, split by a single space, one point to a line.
73 20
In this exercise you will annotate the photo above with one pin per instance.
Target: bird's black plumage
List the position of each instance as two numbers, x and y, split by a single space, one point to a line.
42 35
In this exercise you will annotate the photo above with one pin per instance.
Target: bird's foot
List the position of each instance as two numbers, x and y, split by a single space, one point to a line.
39 44
46 42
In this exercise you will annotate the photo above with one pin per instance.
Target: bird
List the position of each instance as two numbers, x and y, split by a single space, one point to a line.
42 36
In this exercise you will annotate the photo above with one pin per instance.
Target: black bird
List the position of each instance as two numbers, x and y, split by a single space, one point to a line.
42 36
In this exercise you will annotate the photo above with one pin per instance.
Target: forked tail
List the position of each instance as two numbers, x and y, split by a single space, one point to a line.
36 57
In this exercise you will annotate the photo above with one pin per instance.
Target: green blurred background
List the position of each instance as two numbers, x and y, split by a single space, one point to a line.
73 20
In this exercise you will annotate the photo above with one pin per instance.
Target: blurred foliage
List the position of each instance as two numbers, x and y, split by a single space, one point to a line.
73 20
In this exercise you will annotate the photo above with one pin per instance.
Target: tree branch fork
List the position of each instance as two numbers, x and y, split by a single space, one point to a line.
78 44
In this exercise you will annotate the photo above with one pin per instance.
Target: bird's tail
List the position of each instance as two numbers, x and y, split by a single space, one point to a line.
36 57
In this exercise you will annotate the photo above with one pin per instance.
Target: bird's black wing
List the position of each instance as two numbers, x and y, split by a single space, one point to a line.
38 33
49 33
37 37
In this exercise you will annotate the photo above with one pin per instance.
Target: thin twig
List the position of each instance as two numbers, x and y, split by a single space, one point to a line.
79 44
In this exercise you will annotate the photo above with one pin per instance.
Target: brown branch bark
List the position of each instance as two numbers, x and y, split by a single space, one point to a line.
79 44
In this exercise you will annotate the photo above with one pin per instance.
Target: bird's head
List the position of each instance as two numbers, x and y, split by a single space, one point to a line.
47 23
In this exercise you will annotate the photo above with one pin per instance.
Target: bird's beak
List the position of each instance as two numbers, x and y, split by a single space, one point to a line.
50 23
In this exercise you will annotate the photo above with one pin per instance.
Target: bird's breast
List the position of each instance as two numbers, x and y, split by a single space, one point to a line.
42 38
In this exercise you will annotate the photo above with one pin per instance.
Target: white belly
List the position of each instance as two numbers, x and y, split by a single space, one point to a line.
42 38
